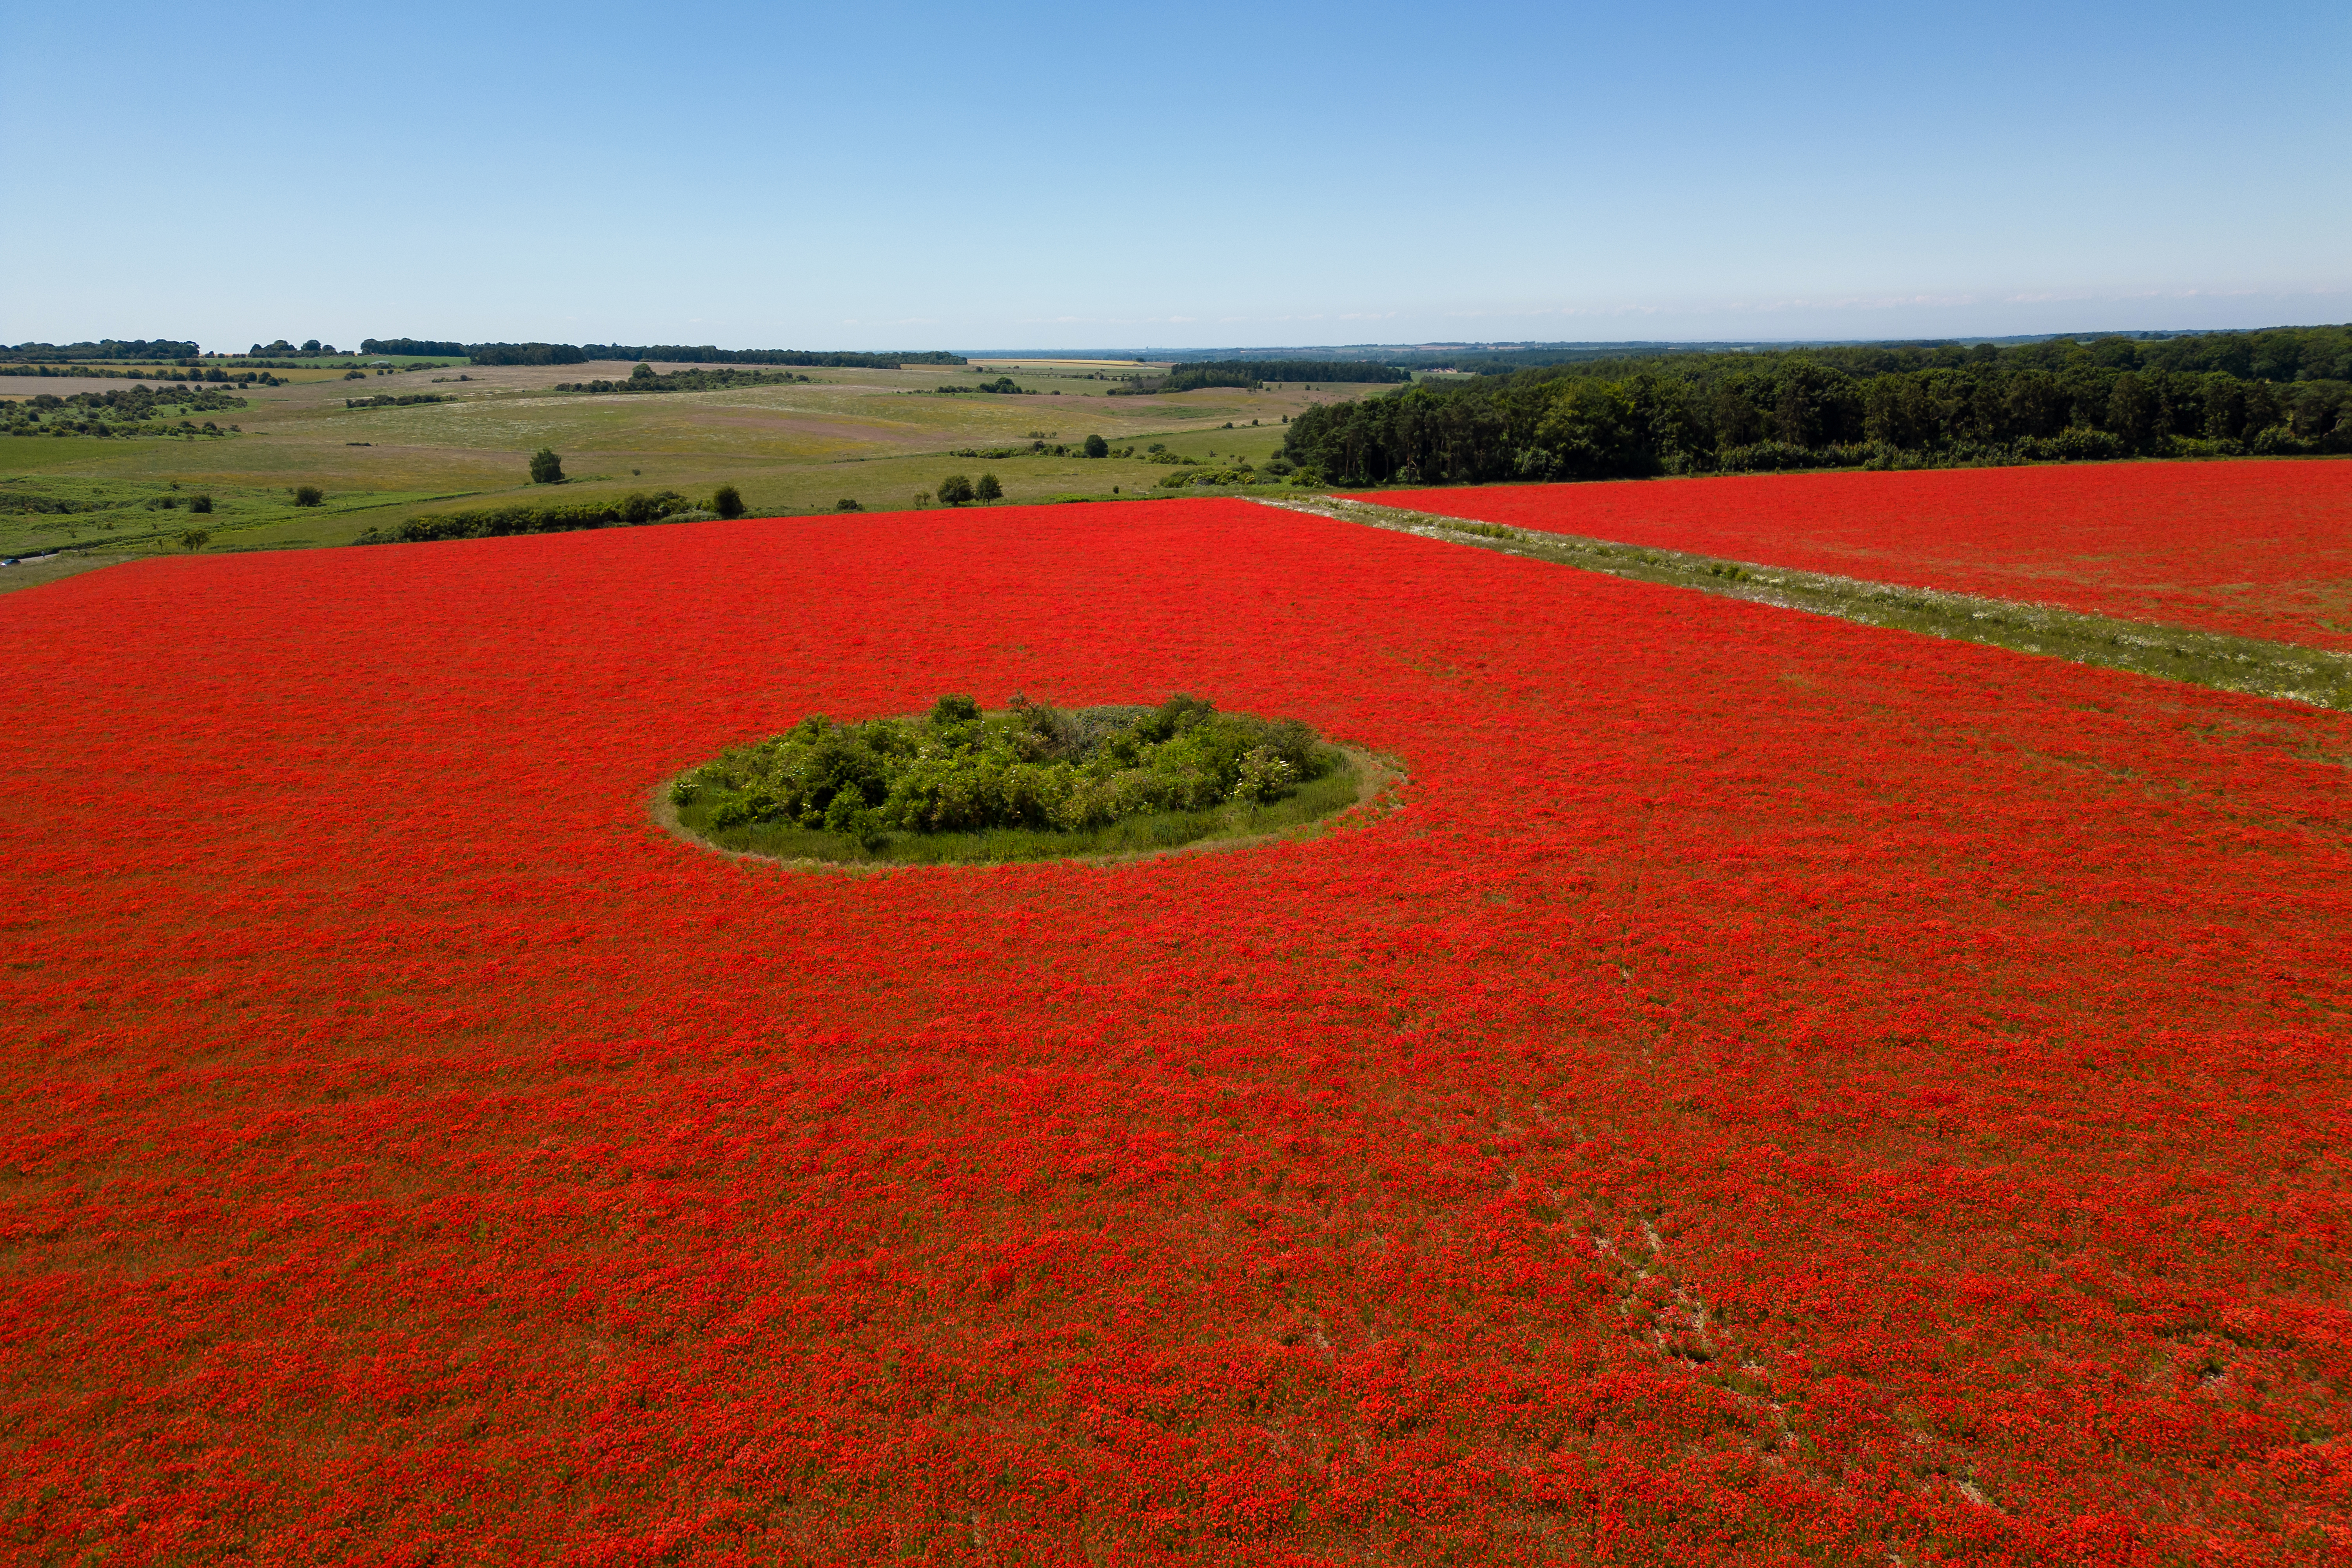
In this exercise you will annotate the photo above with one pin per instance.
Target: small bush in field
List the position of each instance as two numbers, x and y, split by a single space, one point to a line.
727 501
546 468
309 495
1062 777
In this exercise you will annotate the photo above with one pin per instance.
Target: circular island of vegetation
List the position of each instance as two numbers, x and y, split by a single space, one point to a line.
958 785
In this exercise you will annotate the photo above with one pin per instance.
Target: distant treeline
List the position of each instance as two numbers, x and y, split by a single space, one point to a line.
105 349
243 377
704 353
645 379
1249 373
2283 392
1499 359
401 400
1503 361
417 346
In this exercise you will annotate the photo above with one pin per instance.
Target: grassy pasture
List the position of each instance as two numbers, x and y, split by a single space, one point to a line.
877 437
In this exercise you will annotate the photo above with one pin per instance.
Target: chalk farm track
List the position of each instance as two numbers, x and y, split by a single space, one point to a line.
1774 1091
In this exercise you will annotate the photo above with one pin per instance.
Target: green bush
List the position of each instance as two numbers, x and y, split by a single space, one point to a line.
1096 446
1210 477
1033 768
2073 444
727 501
846 504
955 490
988 489
309 495
636 508
200 503
546 468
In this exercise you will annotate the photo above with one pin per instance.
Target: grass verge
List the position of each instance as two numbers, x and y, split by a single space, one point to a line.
2251 665
1305 813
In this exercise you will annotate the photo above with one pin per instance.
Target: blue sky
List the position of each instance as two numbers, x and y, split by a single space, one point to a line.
1002 176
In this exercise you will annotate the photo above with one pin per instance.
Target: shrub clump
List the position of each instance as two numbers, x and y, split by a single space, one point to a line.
633 509
1043 772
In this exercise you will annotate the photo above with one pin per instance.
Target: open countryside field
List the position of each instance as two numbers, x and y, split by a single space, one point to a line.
1765 1091
877 436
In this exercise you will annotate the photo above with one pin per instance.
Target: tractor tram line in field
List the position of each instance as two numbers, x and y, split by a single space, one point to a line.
2254 666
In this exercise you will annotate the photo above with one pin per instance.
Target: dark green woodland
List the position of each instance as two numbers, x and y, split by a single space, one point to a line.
2284 392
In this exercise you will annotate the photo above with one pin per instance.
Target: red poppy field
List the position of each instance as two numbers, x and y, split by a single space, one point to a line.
1766 1091
2256 549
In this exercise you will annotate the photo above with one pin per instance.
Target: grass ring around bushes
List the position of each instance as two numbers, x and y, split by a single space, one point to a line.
1123 783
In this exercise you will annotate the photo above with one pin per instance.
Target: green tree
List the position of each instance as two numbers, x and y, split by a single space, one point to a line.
988 489
846 504
546 468
2131 409
309 495
200 503
1096 446
194 539
727 501
955 490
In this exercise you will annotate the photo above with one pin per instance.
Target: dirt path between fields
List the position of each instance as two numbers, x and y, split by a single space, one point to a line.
2287 671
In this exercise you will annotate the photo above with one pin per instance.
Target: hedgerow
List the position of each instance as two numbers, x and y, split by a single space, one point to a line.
634 509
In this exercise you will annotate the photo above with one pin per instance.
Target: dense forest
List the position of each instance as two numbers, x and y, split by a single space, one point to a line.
415 346
1250 372
2283 392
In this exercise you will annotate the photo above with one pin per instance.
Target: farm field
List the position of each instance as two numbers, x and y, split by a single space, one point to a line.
877 436
1765 1091
2257 549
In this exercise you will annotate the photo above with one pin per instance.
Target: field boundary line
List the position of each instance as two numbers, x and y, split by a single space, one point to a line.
2256 667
